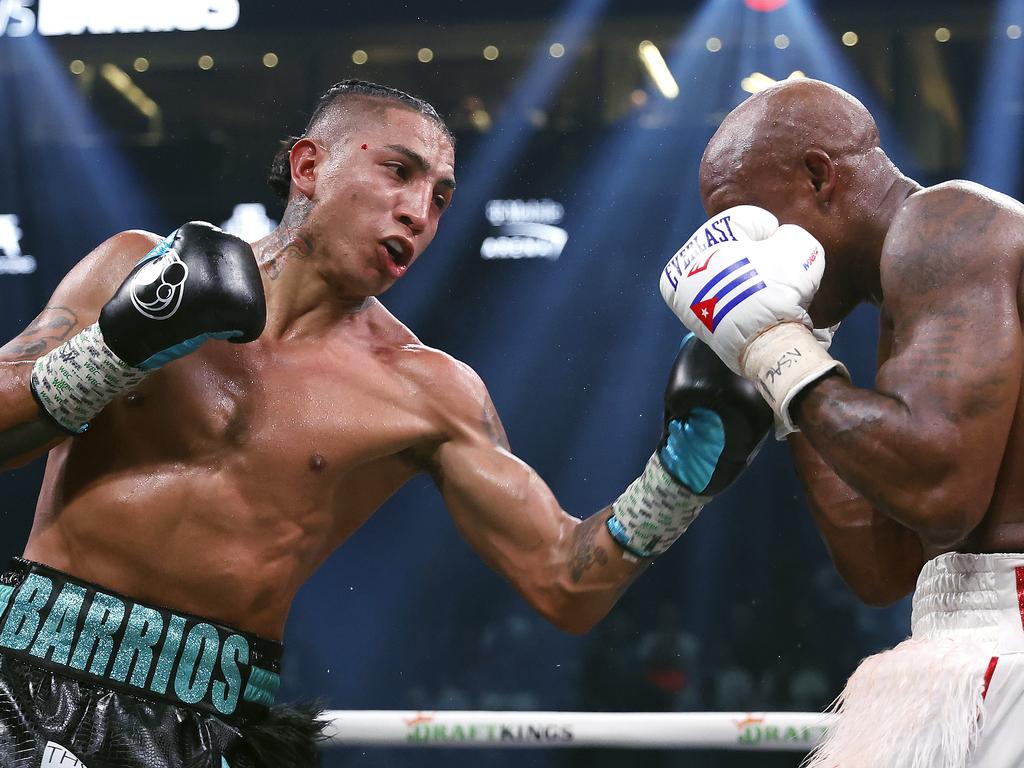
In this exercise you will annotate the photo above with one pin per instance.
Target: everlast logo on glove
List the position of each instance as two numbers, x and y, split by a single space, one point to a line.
752 311
715 232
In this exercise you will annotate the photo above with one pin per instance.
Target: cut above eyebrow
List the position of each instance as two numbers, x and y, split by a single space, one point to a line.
419 161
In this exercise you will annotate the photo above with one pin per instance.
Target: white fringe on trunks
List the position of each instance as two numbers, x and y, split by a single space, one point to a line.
920 705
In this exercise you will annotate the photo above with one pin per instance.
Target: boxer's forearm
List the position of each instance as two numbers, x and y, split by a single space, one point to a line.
875 444
596 573
877 557
25 432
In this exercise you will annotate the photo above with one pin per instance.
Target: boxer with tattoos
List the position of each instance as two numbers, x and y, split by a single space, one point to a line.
220 418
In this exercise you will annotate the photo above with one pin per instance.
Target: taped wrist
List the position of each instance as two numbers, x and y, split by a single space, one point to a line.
652 512
781 362
76 380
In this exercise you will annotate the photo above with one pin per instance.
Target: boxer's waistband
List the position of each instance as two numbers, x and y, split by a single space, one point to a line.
92 634
981 596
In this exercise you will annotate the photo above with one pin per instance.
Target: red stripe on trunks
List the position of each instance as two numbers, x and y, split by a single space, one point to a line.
988 675
1019 571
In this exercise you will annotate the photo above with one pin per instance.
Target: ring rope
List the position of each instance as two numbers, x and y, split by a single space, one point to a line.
755 731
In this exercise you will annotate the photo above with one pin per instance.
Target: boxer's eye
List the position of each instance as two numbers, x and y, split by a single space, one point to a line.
399 169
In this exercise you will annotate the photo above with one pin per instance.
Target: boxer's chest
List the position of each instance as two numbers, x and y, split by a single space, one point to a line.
294 411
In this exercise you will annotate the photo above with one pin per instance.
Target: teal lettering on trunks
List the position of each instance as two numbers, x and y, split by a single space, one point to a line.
58 632
225 694
75 626
145 626
23 616
196 666
6 590
169 652
101 622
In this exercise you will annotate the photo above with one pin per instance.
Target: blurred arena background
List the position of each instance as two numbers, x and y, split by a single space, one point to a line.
580 124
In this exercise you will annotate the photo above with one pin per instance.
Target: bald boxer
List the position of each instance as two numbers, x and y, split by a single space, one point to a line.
919 480
222 418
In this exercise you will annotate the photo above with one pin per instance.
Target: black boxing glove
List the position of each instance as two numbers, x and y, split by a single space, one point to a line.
204 285
197 284
715 422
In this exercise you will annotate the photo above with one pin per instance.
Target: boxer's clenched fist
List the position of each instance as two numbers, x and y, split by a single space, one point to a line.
198 284
714 424
746 296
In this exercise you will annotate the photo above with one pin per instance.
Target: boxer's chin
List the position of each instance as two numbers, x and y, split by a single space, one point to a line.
831 304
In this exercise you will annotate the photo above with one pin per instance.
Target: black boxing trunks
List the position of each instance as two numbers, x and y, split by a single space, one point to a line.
92 679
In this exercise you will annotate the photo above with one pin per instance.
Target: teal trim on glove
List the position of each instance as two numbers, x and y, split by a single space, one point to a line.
693 448
187 347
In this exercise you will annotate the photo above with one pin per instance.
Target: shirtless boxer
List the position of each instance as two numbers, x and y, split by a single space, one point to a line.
211 480
920 480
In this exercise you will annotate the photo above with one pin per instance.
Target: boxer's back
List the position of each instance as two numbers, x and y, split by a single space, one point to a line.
220 484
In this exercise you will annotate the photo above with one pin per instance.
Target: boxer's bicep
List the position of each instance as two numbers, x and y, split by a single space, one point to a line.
956 357
877 557
570 571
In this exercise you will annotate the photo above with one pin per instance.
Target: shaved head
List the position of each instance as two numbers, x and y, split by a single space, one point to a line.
809 153
769 134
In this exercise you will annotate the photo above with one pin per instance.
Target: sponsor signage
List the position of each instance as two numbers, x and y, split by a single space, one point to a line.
424 729
524 229
12 260
758 730
19 18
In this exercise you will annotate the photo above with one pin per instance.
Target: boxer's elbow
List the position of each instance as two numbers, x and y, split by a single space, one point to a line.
881 592
568 615
567 606
943 515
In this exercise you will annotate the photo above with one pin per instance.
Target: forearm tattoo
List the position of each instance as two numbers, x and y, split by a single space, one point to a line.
585 551
51 328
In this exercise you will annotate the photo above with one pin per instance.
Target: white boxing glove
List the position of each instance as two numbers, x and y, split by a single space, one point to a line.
747 297
743 222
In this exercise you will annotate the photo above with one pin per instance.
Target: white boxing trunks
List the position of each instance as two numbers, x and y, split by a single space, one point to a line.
952 695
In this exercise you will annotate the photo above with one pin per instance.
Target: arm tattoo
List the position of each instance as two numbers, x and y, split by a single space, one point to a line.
51 328
584 551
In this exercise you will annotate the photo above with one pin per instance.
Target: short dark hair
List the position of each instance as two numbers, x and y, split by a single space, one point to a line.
280 177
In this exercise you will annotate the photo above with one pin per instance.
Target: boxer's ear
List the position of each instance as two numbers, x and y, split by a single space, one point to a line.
303 158
821 173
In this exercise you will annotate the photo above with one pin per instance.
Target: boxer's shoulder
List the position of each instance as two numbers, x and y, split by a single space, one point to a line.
951 231
451 395
955 209
123 249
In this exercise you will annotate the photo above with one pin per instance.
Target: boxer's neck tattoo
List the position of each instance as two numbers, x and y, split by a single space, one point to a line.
285 245
585 553
51 328
287 242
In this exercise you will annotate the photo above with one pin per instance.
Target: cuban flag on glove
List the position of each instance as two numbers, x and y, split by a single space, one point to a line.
725 291
740 274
